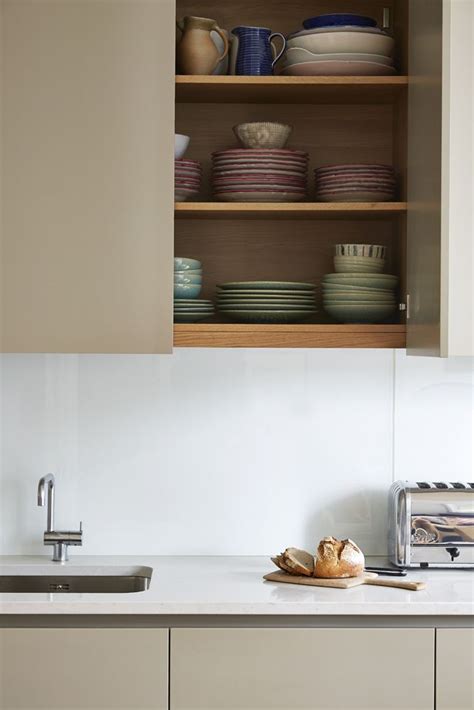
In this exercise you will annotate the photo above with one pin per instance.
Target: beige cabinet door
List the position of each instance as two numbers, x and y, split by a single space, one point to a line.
296 669
440 186
455 669
87 100
83 669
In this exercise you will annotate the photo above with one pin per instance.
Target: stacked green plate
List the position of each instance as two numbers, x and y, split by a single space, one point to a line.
359 297
267 301
192 310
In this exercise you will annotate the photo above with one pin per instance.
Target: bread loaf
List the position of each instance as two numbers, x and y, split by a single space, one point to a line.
338 558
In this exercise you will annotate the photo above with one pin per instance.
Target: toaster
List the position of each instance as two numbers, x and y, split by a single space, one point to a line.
431 524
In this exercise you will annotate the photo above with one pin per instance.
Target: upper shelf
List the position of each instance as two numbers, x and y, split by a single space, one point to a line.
288 210
289 89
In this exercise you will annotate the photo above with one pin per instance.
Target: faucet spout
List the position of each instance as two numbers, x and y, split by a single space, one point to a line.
47 483
60 540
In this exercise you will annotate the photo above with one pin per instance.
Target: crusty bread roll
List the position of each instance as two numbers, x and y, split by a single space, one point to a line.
338 558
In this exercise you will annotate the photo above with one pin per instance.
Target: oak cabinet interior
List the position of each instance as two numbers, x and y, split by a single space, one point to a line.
334 124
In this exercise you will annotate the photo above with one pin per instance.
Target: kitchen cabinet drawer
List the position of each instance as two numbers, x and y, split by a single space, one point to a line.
455 669
87 176
291 669
83 669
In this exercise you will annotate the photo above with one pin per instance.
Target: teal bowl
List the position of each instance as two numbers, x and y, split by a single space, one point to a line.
183 264
187 290
185 277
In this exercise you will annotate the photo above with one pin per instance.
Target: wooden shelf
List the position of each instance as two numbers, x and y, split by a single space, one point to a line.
289 89
288 210
239 335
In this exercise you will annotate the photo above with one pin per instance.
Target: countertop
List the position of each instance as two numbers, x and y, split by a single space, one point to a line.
232 586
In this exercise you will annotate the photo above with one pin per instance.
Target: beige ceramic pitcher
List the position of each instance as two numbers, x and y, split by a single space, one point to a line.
196 51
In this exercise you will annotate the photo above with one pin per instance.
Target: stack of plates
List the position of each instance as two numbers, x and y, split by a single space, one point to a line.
260 174
188 308
187 179
192 310
359 298
267 301
341 44
359 182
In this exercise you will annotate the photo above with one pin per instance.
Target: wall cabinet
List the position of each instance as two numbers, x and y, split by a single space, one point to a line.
89 103
455 669
321 669
87 173
83 669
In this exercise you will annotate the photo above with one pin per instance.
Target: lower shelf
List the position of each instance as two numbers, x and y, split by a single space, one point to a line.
240 335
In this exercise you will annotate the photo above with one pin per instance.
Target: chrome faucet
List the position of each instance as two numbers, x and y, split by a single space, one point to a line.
59 540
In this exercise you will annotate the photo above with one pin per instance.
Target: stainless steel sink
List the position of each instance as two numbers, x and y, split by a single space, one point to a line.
114 581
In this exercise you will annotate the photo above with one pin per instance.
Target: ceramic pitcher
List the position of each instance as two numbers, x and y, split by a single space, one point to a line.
196 51
255 51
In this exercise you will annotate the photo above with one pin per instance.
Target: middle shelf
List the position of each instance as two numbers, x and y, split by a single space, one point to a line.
288 210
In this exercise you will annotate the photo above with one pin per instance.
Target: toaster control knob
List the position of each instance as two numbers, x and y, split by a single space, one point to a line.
454 552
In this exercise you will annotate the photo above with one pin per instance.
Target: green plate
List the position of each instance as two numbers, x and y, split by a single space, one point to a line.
190 317
192 301
329 287
267 316
273 299
352 297
266 307
372 280
265 296
268 285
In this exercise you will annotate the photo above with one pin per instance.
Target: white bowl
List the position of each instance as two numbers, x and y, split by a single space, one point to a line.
371 250
343 41
181 143
296 55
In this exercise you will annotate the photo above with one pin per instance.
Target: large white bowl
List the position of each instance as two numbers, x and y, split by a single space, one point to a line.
347 41
296 55
181 143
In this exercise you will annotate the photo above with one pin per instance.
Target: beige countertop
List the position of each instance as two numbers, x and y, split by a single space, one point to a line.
230 586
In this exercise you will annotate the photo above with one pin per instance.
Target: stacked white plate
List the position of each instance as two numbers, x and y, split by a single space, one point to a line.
340 50
267 301
355 182
187 179
359 297
259 175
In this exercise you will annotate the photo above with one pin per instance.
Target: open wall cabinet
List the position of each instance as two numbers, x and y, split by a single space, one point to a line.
89 105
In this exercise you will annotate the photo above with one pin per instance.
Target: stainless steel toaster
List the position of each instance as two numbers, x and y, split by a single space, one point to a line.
431 524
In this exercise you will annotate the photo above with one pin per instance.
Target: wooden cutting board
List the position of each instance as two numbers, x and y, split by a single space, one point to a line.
344 583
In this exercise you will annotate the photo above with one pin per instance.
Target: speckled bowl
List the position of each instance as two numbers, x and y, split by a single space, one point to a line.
261 134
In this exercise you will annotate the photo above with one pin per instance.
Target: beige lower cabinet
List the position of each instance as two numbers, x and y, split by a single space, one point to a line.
455 669
84 669
296 669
